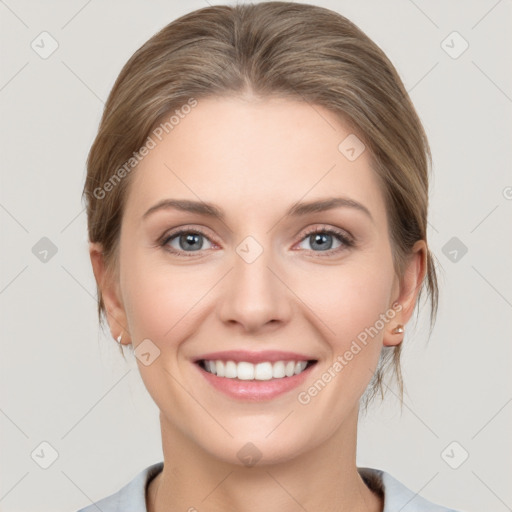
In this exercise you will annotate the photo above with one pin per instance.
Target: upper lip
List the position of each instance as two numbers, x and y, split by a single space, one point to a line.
254 357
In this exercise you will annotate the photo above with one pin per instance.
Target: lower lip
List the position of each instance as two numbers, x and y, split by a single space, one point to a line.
255 390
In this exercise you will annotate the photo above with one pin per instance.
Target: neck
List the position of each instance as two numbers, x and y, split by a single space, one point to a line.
325 478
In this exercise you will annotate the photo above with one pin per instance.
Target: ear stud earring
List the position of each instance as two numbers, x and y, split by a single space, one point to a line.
398 329
119 338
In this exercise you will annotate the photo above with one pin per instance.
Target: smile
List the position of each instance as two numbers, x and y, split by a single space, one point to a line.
244 370
254 376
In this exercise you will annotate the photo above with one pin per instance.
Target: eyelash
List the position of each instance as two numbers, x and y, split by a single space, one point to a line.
346 240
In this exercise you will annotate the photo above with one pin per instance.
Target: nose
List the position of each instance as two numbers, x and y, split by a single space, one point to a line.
254 295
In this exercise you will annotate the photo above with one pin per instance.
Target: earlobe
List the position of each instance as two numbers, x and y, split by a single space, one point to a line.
109 288
399 329
394 335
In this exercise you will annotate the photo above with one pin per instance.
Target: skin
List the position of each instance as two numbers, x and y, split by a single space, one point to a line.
254 158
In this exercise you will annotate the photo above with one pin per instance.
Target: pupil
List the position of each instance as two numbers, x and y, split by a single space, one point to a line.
319 237
190 239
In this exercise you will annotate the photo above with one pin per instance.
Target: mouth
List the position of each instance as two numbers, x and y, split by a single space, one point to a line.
247 371
254 376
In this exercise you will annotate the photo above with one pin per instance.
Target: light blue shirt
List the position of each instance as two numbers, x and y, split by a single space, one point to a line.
397 497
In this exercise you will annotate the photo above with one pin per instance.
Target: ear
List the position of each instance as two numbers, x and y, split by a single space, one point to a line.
109 287
406 293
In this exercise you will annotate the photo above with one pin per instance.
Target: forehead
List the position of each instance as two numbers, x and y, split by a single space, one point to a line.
246 154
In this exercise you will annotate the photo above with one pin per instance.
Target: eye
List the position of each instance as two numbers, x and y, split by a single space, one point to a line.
185 241
322 239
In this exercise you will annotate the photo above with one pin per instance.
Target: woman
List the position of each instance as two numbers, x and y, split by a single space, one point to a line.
257 200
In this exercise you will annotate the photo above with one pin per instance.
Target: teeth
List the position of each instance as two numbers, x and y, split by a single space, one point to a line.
299 367
261 371
245 371
278 370
220 369
231 371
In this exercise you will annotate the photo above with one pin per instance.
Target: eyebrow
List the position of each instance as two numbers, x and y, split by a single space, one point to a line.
297 210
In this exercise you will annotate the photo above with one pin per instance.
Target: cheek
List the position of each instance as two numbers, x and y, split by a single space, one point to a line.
351 303
160 302
163 305
349 298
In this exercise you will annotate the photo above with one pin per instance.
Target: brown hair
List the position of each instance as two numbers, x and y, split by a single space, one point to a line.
282 49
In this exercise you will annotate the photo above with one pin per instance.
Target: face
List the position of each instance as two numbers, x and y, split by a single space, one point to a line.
261 282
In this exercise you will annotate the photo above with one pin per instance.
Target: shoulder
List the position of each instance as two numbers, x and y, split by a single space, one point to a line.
396 495
131 497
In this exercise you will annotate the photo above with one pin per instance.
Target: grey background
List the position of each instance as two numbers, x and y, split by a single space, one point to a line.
64 383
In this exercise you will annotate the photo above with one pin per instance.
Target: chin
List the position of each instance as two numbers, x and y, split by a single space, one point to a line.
257 448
